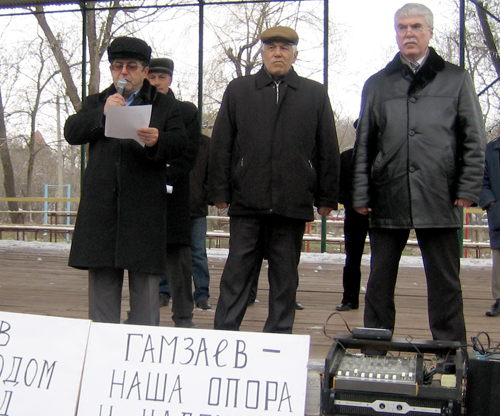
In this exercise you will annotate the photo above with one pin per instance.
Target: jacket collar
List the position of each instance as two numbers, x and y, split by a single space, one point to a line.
171 93
424 76
263 78
146 96
496 143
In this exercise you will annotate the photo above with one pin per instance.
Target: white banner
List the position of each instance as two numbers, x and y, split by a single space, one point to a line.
157 371
41 363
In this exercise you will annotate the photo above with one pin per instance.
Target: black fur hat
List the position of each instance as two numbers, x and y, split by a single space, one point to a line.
129 48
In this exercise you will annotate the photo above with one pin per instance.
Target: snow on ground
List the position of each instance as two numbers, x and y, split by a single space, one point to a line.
339 258
320 258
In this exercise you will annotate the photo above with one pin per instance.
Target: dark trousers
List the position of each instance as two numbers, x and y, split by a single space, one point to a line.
179 271
441 257
199 261
105 296
255 280
282 244
355 230
255 286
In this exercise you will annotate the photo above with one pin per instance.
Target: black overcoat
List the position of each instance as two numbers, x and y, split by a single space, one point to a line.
491 191
178 215
121 218
198 180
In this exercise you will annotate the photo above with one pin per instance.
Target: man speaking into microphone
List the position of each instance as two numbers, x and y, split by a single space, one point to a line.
121 219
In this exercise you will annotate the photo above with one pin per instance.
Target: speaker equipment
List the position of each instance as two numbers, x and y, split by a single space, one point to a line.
483 385
393 377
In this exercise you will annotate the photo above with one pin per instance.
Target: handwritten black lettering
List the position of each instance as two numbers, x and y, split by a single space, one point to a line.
4 333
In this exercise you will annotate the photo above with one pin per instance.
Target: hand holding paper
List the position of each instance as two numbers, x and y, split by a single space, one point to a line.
148 135
123 122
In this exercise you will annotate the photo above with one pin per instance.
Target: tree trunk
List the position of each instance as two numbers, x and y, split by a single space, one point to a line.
8 171
31 169
55 46
488 37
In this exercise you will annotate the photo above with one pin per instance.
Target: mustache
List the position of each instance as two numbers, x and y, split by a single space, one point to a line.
409 40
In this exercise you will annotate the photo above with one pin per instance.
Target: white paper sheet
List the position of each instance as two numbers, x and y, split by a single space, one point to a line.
122 122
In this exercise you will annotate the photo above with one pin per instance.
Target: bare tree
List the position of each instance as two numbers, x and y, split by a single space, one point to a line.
481 56
34 98
8 78
98 41
8 171
490 41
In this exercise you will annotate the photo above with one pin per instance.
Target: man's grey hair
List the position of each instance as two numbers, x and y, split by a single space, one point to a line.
415 9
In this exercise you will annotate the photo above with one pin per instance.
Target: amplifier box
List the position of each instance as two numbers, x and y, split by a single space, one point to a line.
396 377
483 386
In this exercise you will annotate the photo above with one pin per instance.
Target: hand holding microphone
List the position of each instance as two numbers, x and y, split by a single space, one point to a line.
117 99
121 85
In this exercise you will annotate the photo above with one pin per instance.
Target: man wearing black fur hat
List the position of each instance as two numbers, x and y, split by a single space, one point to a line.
419 157
121 219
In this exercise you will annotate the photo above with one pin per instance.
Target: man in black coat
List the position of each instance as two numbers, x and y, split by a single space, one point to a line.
179 268
121 218
490 201
355 230
418 160
198 181
274 156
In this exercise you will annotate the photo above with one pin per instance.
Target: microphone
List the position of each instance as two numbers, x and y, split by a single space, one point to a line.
121 85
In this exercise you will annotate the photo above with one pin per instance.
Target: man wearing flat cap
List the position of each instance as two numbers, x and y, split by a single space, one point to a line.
121 219
274 157
177 280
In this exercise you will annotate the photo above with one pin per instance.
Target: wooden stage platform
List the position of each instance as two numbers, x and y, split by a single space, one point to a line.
35 279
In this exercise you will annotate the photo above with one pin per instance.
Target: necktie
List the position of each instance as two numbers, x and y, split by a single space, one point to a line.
414 66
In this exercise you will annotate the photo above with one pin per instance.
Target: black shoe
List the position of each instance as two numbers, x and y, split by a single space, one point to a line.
495 310
203 304
346 306
164 299
298 306
185 323
127 321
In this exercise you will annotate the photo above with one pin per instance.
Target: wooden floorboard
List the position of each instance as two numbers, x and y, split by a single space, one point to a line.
38 281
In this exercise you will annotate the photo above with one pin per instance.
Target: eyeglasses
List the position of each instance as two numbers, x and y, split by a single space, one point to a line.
131 66
417 29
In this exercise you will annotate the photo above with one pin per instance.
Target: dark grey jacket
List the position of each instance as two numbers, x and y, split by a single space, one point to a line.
491 191
122 215
420 145
198 181
178 169
269 157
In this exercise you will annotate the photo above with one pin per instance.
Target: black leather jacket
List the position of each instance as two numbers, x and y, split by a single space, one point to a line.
420 145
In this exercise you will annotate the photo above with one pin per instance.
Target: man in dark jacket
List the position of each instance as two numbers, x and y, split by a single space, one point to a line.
121 219
419 158
355 230
179 269
490 195
198 181
274 155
